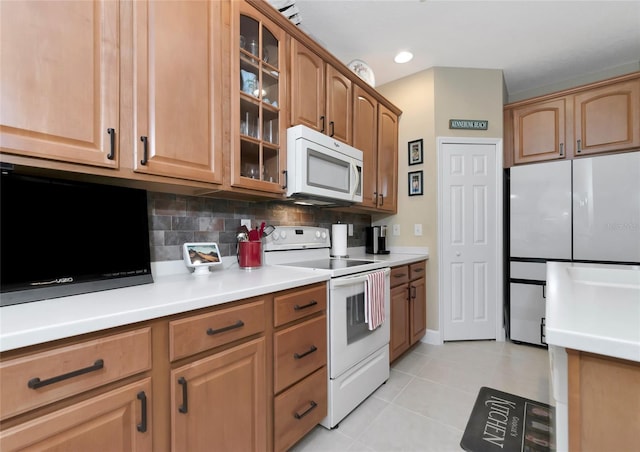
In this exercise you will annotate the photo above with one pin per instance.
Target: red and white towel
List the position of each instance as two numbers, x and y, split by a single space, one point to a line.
374 299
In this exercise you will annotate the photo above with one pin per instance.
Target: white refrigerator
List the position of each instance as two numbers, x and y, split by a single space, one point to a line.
586 209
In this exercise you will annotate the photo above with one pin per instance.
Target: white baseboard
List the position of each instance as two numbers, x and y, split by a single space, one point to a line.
432 337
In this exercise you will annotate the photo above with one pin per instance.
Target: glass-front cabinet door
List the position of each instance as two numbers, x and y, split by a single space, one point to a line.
257 116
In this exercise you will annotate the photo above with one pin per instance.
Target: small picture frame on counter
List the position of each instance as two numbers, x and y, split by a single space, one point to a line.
415 183
200 256
415 152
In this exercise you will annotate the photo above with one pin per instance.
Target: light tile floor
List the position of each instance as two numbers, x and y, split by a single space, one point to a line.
425 404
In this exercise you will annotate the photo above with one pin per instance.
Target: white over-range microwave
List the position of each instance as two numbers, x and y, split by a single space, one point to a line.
322 170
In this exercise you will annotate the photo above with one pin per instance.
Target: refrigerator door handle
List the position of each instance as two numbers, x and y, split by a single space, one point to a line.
544 295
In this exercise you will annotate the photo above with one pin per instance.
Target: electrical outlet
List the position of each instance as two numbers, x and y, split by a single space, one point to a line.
417 229
396 229
246 222
350 230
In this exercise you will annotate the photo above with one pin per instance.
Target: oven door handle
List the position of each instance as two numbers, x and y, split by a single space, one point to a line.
350 280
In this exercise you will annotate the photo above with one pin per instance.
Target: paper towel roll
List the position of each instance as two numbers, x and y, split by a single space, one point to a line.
339 240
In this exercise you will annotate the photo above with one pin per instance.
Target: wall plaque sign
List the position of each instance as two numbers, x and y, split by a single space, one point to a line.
469 124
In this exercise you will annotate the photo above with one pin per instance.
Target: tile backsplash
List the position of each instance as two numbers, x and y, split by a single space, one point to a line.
177 219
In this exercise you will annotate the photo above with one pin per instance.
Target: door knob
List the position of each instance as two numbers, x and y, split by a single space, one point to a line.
458 253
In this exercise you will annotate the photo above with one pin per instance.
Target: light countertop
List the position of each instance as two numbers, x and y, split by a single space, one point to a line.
594 308
173 291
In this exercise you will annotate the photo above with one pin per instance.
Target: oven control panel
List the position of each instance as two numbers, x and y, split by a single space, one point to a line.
296 238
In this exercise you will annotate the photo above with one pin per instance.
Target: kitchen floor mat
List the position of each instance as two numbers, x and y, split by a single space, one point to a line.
505 422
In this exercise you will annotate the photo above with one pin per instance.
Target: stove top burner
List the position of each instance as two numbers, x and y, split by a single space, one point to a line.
330 264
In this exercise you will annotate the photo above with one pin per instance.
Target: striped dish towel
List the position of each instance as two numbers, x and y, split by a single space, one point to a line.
374 299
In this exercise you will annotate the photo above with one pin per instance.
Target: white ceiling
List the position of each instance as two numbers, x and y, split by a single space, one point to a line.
535 43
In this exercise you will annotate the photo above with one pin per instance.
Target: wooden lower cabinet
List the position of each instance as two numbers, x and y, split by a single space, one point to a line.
299 409
300 380
220 402
249 375
408 307
604 403
117 420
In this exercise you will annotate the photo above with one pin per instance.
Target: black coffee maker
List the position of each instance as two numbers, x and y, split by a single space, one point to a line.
376 240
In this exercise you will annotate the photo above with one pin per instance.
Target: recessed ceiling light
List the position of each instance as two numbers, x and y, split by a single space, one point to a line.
403 57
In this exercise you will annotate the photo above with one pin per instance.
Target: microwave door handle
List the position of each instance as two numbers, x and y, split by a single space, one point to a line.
356 176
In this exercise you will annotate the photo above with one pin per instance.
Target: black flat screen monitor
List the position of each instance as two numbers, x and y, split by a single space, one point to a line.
60 238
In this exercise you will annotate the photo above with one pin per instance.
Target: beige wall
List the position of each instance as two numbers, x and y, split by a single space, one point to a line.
428 100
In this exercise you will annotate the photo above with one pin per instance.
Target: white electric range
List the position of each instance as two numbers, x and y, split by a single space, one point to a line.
358 358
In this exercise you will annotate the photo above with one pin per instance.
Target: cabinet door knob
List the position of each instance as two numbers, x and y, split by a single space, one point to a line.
579 143
322 119
458 253
561 149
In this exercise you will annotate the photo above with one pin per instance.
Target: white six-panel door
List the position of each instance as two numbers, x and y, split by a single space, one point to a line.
469 240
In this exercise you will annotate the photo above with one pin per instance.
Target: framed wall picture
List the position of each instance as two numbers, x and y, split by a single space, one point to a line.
415 152
415 183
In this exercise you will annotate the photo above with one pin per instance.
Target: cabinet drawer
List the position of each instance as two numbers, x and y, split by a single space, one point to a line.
417 270
399 275
299 350
299 409
46 377
206 331
299 303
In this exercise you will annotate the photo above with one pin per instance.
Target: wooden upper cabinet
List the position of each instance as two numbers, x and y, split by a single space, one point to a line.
365 138
320 94
178 89
387 188
59 81
258 101
307 87
539 131
339 104
607 118
592 119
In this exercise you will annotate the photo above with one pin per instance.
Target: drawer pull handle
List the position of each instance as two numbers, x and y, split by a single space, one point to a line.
399 275
308 352
142 426
305 306
418 270
312 405
36 383
145 150
238 324
184 408
112 133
